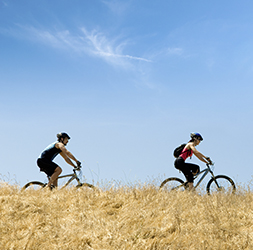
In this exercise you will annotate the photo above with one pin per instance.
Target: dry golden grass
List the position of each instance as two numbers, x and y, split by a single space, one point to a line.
138 217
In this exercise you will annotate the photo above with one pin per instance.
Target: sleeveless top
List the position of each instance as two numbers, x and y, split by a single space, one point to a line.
186 153
50 152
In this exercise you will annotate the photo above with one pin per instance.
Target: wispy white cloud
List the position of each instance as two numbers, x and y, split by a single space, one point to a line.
56 39
166 52
100 46
116 6
92 43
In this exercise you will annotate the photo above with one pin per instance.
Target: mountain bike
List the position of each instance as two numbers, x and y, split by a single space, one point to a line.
36 185
218 183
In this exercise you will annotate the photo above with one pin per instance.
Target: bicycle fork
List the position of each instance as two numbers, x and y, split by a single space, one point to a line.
217 184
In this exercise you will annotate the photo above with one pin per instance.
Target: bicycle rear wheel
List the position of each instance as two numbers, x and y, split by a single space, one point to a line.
34 185
86 186
225 185
172 183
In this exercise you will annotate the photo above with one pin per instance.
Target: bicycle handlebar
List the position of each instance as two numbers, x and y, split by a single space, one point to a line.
77 168
210 163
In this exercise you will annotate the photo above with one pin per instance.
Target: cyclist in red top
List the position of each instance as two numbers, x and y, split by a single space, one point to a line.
45 161
189 169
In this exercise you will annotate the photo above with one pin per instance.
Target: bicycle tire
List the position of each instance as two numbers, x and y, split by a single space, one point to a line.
172 183
226 184
86 185
36 185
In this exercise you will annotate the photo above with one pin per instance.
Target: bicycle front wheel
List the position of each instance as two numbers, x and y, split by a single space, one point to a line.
172 183
221 183
34 185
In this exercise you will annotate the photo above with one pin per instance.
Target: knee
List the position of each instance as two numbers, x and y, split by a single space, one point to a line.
58 170
196 170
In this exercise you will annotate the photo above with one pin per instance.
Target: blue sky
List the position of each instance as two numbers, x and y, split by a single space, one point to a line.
129 81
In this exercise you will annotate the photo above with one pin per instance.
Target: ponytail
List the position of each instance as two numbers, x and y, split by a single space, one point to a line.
59 136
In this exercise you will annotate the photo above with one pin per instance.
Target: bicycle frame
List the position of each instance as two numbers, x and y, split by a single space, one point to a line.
205 172
73 177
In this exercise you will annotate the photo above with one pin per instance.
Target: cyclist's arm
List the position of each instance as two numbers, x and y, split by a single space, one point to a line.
65 154
198 154
67 159
71 156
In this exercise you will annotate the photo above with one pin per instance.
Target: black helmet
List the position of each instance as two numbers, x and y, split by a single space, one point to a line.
62 135
196 136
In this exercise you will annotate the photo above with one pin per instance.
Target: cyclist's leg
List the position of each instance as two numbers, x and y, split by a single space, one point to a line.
182 166
192 169
51 169
189 176
188 169
53 179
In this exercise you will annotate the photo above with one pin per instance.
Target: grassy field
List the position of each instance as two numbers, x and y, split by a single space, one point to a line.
139 217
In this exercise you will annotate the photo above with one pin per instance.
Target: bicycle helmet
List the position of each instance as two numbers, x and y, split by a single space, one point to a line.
62 135
196 136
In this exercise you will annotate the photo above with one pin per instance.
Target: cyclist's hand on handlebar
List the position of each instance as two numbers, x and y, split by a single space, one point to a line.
209 161
78 168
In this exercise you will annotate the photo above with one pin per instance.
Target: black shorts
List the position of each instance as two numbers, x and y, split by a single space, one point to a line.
186 168
46 166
